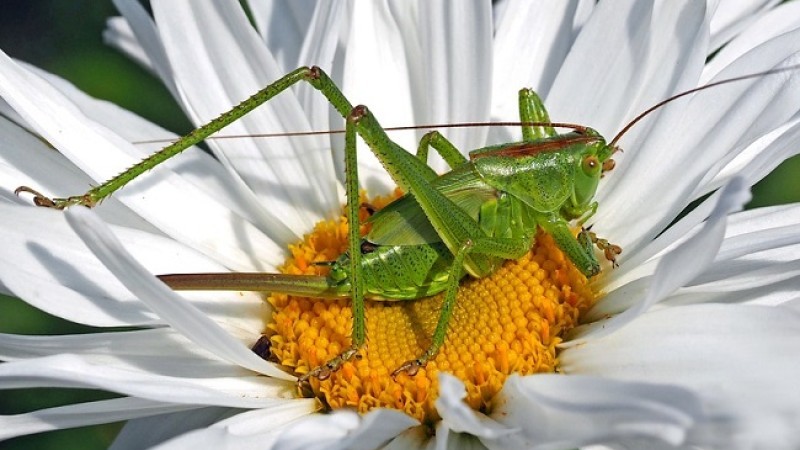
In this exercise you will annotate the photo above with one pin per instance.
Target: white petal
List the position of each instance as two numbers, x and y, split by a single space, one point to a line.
760 220
184 317
376 73
677 267
739 281
320 48
446 439
643 262
733 357
345 430
691 147
732 16
240 197
161 352
756 247
742 281
774 293
551 411
762 234
758 242
459 417
456 66
615 69
754 251
27 161
119 35
770 115
138 39
760 158
414 438
83 414
249 430
71 371
66 280
544 51
218 60
761 231
165 200
144 433
195 166
283 26
762 28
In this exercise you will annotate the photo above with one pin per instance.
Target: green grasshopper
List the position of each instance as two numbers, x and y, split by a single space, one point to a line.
467 221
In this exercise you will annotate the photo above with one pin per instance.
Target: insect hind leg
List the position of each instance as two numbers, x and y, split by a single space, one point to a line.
359 331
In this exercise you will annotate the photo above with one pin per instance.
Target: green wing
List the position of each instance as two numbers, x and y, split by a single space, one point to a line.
403 222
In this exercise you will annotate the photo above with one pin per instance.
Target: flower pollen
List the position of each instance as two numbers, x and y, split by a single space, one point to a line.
508 322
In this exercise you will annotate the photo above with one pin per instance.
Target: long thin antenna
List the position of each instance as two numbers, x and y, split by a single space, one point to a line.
644 114
576 127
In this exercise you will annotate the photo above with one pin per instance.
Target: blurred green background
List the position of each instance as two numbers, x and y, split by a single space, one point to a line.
64 37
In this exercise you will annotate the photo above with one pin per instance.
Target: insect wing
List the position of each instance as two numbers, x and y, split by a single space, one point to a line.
403 221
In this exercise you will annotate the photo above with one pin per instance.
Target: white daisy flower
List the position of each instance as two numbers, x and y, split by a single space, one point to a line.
687 343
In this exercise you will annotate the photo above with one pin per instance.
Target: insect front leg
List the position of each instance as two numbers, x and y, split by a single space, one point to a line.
588 238
582 215
576 249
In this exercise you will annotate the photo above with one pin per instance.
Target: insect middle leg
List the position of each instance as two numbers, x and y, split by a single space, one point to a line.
444 147
532 109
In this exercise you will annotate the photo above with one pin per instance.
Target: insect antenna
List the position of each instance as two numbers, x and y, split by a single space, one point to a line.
645 113
575 127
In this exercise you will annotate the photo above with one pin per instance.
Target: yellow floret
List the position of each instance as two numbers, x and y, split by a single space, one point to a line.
508 322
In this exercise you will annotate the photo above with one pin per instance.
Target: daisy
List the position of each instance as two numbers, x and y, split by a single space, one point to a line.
687 343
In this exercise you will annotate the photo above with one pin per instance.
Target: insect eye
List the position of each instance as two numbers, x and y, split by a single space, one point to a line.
591 164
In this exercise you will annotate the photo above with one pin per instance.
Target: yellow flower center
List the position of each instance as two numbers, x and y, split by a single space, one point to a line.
508 322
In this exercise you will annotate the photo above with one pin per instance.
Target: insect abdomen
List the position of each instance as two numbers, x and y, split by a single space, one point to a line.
401 272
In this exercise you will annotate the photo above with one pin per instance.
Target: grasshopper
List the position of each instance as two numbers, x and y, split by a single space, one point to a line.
486 210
